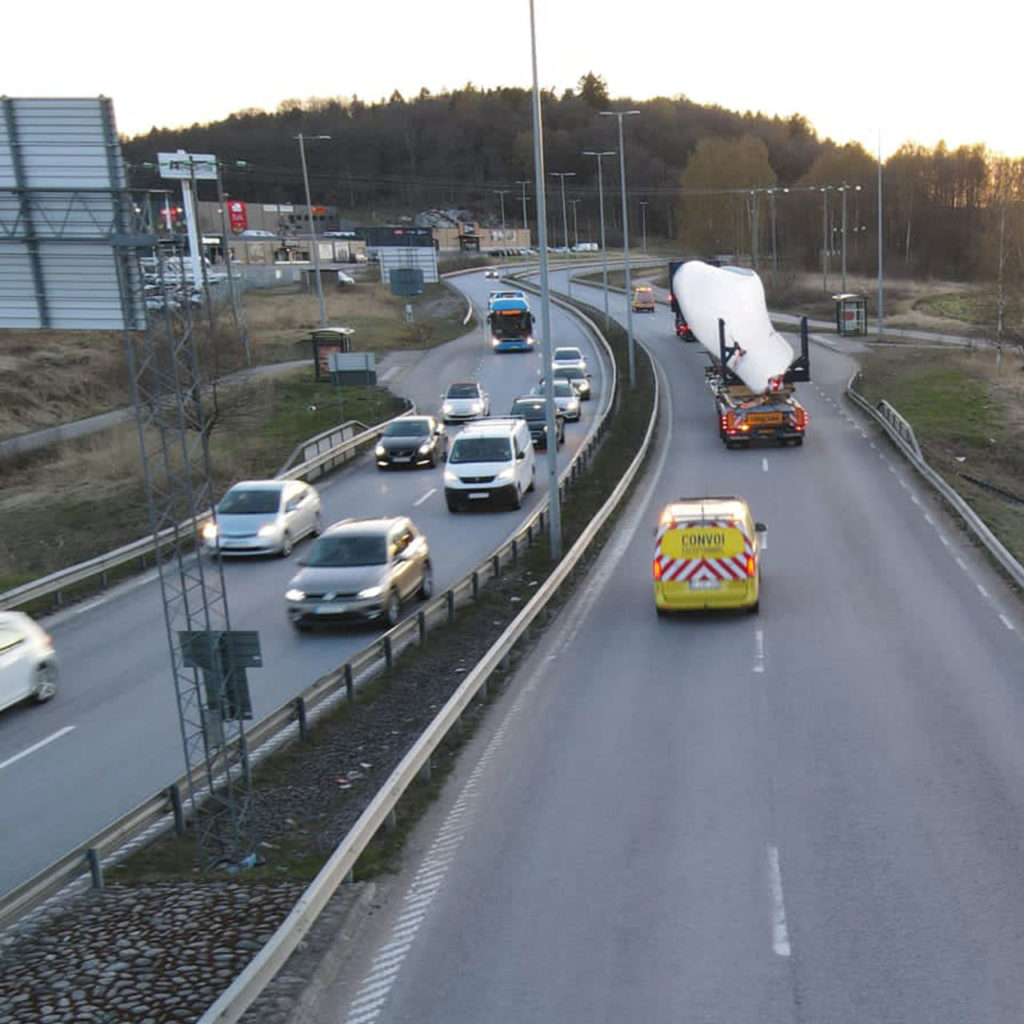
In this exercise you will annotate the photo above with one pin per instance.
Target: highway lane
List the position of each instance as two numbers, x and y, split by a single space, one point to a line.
111 737
811 814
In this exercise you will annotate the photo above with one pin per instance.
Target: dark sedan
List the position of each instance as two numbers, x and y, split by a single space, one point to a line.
533 409
412 441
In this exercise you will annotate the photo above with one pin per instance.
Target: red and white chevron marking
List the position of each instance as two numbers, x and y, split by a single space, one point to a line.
696 570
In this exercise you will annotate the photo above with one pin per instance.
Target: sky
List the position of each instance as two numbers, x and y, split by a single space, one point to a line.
877 73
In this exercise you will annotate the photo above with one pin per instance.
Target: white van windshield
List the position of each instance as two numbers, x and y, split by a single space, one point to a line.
481 449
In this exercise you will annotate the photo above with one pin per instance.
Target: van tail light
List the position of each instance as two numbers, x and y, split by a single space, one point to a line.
751 566
657 569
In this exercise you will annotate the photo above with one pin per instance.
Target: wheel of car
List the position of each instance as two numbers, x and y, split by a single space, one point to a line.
392 609
318 524
432 461
533 479
517 497
287 547
45 683
427 583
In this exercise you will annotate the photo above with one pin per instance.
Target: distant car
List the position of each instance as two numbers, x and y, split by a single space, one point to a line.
683 329
533 409
643 299
464 400
263 517
567 399
28 661
566 355
360 570
578 378
257 233
412 441
491 272
344 278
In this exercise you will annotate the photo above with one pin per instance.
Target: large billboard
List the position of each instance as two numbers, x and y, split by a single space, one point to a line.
68 226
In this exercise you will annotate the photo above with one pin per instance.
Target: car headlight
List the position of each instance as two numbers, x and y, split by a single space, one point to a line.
209 531
380 451
268 530
450 477
370 592
477 407
506 474
295 594
424 448
446 408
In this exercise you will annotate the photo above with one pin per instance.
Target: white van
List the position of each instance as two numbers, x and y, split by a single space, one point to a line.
490 460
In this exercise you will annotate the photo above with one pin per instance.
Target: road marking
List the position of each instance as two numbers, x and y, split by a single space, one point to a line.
419 501
961 563
944 539
981 590
37 746
1007 623
780 934
758 650
764 465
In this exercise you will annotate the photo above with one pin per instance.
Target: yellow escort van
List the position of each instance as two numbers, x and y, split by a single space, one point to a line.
643 299
707 555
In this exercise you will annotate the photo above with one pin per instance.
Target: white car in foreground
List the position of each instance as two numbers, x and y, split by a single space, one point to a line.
28 662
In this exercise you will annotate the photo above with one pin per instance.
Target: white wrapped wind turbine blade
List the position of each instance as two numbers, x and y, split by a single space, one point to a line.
708 294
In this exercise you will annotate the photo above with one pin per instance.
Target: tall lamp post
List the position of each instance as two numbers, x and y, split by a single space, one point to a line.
526 228
554 497
312 229
643 220
575 224
825 243
501 193
844 188
604 250
565 224
620 114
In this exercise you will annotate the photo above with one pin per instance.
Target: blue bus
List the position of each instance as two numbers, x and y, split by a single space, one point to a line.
511 325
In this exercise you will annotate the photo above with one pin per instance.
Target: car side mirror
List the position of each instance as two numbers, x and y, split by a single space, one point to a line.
760 528
520 456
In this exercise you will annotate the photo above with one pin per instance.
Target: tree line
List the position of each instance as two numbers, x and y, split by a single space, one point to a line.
708 179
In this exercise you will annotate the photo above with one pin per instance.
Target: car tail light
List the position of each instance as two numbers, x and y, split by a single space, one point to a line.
751 566
657 569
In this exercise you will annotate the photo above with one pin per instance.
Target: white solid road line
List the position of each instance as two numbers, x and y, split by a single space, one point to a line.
36 746
758 650
780 934
419 501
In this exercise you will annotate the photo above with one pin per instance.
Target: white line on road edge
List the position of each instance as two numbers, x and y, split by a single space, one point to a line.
419 501
780 934
758 650
1002 618
36 746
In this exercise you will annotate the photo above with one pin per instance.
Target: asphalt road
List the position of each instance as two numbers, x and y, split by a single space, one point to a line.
808 815
111 737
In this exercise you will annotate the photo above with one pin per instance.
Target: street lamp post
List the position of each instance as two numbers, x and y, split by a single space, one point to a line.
604 250
643 220
620 114
825 243
575 224
554 496
565 225
501 193
522 185
844 188
312 229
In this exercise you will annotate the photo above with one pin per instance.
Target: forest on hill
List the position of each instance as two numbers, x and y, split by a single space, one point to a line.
706 179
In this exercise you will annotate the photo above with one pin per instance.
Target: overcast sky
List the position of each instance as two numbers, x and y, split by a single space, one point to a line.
876 73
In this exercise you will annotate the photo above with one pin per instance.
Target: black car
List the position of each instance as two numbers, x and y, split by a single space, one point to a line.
412 441
533 409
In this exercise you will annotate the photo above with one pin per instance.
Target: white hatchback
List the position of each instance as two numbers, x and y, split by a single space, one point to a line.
28 662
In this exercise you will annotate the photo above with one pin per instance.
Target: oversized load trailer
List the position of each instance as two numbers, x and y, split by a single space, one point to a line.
753 368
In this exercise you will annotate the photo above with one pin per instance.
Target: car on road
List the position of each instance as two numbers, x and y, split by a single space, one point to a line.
533 409
28 661
360 570
567 399
491 272
411 441
707 556
578 378
464 400
490 462
567 355
263 517
643 299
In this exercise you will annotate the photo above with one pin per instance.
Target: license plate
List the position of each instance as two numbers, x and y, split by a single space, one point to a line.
478 494
333 608
764 418
400 458
704 585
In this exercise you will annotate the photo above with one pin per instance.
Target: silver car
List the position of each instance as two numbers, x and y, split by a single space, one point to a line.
569 356
28 662
567 399
464 400
361 570
263 517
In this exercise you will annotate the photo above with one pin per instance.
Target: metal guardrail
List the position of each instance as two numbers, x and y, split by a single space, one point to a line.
297 713
240 995
902 435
